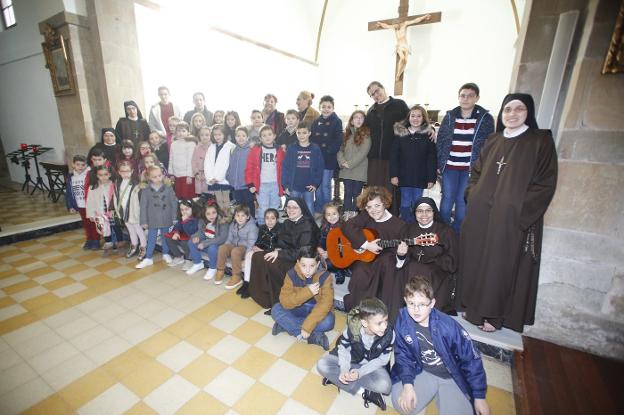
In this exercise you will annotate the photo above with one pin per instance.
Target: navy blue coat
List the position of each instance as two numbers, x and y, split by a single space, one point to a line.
327 134
453 345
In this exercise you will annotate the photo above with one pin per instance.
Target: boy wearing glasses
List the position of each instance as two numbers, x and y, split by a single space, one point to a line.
462 133
434 359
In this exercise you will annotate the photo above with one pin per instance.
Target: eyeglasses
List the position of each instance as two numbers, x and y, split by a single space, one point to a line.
421 211
417 307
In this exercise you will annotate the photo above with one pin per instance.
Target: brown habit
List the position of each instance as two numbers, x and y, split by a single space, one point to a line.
380 277
501 234
436 263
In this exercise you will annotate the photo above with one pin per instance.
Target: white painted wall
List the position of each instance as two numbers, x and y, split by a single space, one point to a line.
473 43
28 108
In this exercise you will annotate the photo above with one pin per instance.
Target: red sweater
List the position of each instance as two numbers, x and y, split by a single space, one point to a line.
252 169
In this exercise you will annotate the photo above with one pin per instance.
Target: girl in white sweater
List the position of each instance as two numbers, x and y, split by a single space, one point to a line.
180 157
216 165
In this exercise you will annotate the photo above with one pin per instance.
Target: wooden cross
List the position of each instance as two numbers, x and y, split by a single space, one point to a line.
500 163
420 254
402 48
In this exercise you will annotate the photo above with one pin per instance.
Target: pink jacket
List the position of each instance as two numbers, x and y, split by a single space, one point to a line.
197 165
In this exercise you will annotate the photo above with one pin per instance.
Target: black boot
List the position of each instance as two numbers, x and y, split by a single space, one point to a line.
319 339
277 329
243 288
373 397
326 382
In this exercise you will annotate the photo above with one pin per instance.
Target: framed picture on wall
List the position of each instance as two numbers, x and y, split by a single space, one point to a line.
614 61
58 61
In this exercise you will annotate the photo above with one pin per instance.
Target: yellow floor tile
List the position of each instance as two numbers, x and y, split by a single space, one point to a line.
500 401
204 404
24 261
185 327
107 266
6 301
87 387
132 360
40 271
61 282
208 312
17 322
140 408
303 355
130 277
251 331
260 400
52 405
255 362
158 343
15 288
227 300
50 309
56 259
151 376
74 269
40 301
202 370
313 394
206 337
9 273
245 308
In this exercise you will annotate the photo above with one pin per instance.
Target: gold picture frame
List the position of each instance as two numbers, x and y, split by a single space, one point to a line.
614 61
58 61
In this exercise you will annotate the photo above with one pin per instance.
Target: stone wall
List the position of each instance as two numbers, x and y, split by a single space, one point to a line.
581 294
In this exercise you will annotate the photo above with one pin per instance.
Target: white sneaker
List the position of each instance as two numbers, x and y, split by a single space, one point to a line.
176 262
146 262
196 267
210 274
187 265
167 258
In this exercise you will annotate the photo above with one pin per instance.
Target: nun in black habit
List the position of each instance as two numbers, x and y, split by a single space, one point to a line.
133 126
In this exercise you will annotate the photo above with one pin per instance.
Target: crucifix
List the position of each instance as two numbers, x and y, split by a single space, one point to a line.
420 254
500 163
399 25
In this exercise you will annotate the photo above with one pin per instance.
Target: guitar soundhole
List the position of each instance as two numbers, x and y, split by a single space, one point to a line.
340 250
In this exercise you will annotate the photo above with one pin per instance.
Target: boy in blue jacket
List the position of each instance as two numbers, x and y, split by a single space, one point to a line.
302 171
434 358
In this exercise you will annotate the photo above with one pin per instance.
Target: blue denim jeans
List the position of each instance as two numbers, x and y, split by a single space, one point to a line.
323 194
152 234
409 195
308 198
454 184
352 189
196 253
268 197
291 320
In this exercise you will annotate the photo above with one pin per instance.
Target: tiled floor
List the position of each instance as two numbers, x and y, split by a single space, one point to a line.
13 205
90 335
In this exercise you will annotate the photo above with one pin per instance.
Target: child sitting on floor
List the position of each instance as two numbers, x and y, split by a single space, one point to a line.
210 235
306 300
358 362
177 238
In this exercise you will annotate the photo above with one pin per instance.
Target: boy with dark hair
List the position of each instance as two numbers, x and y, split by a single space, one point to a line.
462 133
302 172
76 199
434 358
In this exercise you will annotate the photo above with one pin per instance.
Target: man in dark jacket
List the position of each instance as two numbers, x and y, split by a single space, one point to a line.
380 119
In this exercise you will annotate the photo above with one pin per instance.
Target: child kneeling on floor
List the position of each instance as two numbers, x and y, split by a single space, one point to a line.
358 363
434 358
242 235
305 308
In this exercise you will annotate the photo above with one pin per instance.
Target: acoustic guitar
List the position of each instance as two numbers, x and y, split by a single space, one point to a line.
342 254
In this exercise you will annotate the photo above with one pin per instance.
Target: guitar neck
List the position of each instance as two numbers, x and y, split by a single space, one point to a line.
391 243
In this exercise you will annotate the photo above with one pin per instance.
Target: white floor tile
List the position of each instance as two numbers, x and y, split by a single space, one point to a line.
70 289
221 386
66 316
38 344
276 345
76 327
29 293
11 311
52 357
97 261
66 372
134 300
24 396
65 264
190 305
108 349
15 376
122 321
229 349
14 258
120 293
83 275
107 313
16 279
175 297
8 358
171 395
31 266
261 318
140 331
93 305
293 407
92 337
228 321
157 289
283 376
26 332
166 317
180 355
115 400
149 308
345 404
53 276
